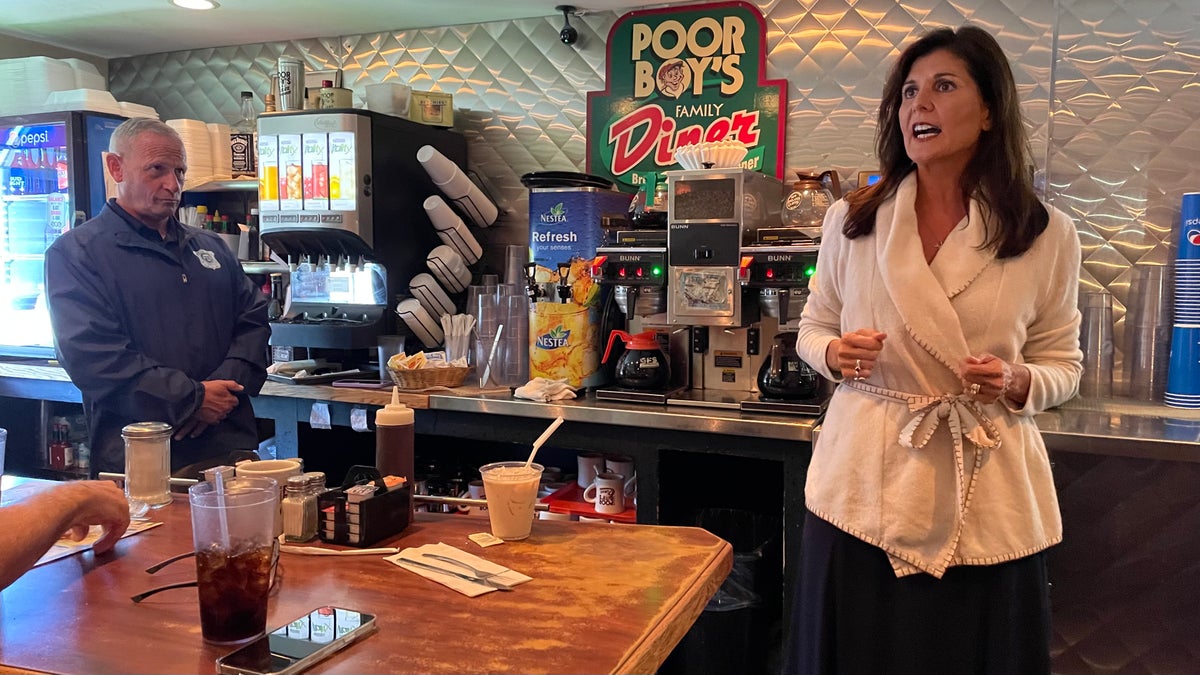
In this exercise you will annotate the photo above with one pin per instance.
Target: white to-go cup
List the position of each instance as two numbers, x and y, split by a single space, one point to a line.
427 330
452 230
456 186
438 166
427 290
449 268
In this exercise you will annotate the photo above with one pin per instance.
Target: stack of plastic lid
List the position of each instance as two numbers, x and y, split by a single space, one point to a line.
29 80
92 100
1183 374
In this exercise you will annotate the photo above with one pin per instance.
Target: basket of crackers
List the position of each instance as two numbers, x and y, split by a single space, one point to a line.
422 371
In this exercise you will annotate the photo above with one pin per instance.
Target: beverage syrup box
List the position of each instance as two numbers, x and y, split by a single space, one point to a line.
565 228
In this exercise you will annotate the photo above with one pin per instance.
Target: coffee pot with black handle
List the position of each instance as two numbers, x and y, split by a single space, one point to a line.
784 375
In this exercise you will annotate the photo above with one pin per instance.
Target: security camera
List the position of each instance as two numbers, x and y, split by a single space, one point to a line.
568 35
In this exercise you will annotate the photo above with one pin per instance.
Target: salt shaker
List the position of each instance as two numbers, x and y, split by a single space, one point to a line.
147 465
299 511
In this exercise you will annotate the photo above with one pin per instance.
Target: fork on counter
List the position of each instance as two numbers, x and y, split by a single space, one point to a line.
479 574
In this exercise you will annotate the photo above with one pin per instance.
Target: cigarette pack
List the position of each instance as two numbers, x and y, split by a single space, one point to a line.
364 510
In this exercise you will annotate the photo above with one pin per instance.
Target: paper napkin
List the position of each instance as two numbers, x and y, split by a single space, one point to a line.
468 588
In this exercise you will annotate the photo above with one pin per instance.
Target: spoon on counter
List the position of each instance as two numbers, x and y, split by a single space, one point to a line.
542 439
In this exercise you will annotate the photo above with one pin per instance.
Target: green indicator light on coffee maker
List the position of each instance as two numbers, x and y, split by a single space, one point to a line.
809 271
656 271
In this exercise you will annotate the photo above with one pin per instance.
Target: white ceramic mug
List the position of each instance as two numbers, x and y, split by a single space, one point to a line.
607 493
624 465
590 464
474 491
278 469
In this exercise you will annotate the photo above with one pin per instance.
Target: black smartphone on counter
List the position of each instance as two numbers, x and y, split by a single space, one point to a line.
301 643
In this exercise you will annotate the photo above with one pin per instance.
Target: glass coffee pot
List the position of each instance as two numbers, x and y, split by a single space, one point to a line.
643 365
784 375
811 196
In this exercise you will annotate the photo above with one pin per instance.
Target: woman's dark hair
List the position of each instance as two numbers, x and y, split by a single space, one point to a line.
998 175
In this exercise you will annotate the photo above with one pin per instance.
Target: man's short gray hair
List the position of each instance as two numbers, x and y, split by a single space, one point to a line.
135 126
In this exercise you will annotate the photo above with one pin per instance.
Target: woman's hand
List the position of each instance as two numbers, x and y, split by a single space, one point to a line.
854 354
987 378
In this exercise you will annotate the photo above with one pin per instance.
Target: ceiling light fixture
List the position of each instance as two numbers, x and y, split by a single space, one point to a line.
195 4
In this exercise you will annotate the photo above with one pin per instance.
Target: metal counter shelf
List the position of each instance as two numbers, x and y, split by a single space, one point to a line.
1122 427
676 418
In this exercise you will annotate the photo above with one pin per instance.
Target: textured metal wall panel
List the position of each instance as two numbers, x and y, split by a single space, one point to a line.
1114 143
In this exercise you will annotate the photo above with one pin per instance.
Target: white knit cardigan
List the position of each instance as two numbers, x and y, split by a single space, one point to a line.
908 463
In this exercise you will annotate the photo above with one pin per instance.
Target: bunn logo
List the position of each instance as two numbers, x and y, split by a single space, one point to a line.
557 214
557 337
629 258
779 258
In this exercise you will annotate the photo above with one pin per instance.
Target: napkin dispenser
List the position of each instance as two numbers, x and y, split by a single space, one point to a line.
364 509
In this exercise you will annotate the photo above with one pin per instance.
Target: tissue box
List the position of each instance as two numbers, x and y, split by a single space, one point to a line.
432 108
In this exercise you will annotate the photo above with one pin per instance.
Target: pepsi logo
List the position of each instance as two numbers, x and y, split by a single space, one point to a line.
1193 237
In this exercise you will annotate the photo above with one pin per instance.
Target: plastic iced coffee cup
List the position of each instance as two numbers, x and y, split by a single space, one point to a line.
511 489
233 531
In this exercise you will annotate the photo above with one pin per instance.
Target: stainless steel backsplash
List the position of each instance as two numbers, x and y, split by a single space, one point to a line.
1110 89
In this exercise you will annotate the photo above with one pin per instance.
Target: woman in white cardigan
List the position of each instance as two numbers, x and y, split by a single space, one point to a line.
944 303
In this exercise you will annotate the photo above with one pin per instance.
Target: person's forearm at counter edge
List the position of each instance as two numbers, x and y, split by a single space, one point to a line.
29 528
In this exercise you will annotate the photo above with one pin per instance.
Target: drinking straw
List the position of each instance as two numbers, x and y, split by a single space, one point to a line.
491 357
219 487
542 439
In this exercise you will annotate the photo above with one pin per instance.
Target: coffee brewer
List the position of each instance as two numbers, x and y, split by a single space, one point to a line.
341 198
711 215
778 268
634 264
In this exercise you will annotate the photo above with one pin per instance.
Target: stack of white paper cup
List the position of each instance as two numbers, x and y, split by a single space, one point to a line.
456 186
451 229
427 330
449 268
427 290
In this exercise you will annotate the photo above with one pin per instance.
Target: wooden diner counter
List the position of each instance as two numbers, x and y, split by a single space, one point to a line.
604 599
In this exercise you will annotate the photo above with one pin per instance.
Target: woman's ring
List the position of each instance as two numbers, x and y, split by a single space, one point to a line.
858 369
974 388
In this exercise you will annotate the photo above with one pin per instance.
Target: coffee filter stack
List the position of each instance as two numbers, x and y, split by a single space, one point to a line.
198 146
724 154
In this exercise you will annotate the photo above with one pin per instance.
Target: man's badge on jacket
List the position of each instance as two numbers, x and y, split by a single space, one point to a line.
207 259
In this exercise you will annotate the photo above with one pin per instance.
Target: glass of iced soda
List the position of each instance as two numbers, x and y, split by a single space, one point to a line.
233 528
511 490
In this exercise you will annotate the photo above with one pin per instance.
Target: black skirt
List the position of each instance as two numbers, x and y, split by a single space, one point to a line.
852 615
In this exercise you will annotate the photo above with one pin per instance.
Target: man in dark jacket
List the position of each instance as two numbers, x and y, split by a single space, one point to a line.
154 320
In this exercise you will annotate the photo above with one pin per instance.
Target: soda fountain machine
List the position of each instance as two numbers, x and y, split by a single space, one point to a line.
341 197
